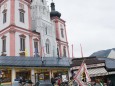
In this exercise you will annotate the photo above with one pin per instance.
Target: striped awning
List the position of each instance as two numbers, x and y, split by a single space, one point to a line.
97 72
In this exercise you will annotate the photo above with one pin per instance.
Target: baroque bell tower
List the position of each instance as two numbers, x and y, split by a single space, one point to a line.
42 23
61 34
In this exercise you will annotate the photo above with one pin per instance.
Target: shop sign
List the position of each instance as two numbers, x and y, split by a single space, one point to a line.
64 78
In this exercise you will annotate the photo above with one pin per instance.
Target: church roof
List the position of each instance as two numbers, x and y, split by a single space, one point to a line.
18 61
53 12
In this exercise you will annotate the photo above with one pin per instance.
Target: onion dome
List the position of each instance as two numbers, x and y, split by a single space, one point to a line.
53 12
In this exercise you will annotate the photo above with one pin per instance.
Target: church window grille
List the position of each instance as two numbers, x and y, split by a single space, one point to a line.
21 12
47 46
36 46
62 33
46 31
4 16
64 51
22 42
4 44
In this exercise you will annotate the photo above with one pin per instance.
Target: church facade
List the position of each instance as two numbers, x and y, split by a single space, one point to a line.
29 30
32 27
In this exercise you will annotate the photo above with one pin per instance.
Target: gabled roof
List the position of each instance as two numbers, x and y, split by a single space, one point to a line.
17 61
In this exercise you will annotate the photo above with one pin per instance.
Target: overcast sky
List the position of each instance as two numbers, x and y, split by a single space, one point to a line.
89 22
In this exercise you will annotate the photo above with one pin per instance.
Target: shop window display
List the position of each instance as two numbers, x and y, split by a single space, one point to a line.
42 76
23 74
5 76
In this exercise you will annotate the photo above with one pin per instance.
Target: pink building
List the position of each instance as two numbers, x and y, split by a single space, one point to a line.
29 29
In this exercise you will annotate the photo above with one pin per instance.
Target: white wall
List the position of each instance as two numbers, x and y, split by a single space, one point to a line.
41 21
7 5
17 16
17 44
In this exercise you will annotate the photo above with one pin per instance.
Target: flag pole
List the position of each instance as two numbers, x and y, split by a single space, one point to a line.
81 51
72 51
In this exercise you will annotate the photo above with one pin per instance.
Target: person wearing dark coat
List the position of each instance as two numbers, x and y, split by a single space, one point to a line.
52 81
110 83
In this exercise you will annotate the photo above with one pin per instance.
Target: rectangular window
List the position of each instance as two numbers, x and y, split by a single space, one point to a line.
21 16
36 46
4 45
4 17
62 34
22 44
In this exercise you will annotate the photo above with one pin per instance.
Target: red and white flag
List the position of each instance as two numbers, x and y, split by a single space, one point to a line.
82 76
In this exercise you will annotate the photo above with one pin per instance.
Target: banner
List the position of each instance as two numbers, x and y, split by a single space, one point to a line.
26 52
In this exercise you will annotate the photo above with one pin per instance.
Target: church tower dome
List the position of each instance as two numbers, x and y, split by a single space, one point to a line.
53 12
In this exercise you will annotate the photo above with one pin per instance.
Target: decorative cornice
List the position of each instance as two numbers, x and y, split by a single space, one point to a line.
22 35
12 30
3 37
30 35
35 39
22 10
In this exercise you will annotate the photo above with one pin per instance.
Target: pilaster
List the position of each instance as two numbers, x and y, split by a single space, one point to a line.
31 47
33 75
12 41
13 75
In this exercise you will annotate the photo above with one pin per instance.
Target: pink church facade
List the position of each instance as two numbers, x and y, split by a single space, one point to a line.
15 25
15 29
18 39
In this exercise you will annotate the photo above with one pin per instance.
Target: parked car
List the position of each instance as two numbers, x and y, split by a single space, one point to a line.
43 83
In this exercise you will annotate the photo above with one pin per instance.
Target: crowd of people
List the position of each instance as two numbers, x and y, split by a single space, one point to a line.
72 82
56 81
97 82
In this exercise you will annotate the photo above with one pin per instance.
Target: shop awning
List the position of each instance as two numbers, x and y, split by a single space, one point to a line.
97 72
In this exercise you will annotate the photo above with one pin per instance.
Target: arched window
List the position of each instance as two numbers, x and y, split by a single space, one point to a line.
64 51
46 31
47 46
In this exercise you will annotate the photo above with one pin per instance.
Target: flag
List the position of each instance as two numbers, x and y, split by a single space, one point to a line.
26 52
82 76
81 50
43 53
72 51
